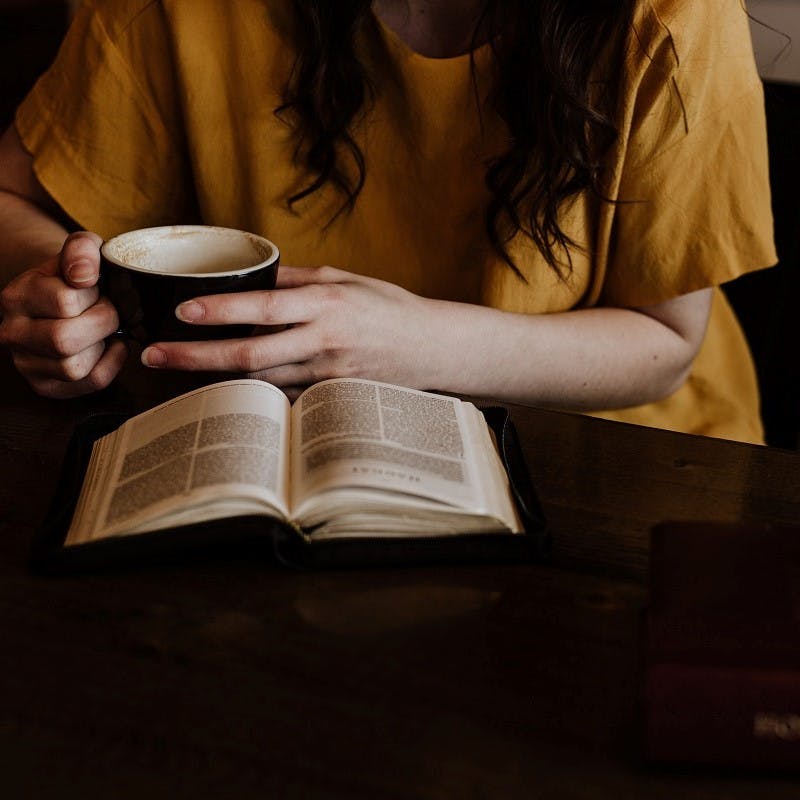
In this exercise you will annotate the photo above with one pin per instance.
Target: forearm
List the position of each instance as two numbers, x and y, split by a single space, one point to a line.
591 359
337 324
28 235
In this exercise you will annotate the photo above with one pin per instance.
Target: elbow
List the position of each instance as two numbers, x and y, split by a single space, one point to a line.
675 380
674 370
683 322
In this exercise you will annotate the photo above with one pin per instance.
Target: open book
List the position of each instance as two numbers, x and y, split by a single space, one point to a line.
350 459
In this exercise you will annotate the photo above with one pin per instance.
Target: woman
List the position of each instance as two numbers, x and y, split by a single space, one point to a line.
528 201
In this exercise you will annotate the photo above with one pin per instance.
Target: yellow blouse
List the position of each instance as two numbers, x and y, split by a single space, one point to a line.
162 111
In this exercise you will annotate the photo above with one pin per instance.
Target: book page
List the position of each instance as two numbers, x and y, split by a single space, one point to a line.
214 452
368 435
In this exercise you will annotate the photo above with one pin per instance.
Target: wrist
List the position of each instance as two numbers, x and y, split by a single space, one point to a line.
448 351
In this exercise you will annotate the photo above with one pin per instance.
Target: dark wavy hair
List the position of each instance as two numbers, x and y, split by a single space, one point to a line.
557 103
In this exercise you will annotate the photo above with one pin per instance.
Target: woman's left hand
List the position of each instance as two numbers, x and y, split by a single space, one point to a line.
321 323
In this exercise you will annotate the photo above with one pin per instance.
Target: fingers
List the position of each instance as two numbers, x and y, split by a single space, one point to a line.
80 259
70 368
290 277
54 322
313 310
61 337
249 355
291 378
284 307
37 295
99 376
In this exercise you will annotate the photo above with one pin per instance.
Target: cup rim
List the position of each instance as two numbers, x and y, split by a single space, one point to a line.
180 229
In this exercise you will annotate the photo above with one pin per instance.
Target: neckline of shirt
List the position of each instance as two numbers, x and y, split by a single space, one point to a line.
408 52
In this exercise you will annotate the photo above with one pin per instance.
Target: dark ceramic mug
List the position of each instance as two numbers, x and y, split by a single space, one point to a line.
146 273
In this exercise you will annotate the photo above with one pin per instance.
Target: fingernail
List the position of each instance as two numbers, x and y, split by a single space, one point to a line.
190 311
153 357
81 272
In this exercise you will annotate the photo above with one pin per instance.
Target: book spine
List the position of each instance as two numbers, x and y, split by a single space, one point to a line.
744 717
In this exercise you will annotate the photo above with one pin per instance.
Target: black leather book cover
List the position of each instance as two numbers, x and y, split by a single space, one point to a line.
269 538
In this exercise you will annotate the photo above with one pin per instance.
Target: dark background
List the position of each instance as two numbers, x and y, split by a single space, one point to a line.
30 31
767 302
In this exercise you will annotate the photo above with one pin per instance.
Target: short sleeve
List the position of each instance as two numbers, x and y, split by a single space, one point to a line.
692 188
103 124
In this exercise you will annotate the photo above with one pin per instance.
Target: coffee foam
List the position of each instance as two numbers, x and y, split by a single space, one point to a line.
182 251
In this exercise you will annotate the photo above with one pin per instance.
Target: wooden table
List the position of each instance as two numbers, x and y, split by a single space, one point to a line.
241 678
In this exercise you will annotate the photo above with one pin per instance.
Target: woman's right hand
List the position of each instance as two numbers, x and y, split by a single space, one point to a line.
55 323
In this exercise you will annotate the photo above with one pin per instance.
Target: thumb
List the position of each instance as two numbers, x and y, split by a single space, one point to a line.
80 259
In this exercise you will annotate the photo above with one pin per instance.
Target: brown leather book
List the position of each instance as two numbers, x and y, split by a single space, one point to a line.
721 646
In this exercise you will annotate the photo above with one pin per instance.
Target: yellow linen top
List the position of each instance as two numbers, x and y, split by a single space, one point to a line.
162 111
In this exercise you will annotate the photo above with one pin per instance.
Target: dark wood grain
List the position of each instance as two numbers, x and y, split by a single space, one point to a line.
242 678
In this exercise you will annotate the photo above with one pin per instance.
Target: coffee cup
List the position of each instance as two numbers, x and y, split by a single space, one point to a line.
146 273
